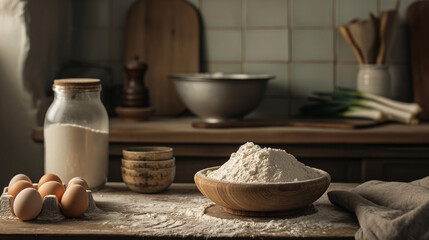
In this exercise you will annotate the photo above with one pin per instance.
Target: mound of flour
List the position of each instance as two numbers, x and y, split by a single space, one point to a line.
253 164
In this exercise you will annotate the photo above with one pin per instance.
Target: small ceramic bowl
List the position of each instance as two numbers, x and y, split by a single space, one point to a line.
262 199
146 180
148 153
148 164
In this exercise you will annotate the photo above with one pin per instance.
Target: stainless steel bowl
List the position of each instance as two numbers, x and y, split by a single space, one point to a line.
216 97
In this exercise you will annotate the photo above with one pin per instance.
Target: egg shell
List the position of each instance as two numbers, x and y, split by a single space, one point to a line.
27 204
52 188
49 177
75 201
79 181
19 177
18 186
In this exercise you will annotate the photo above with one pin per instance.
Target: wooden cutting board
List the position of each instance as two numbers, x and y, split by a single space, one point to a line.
293 122
418 21
166 35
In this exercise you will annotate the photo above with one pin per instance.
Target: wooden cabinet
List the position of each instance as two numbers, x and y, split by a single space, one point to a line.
345 163
394 169
387 152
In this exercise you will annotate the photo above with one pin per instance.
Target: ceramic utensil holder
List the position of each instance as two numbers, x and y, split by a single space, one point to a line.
375 79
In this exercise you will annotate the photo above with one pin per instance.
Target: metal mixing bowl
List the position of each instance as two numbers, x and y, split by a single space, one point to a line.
216 97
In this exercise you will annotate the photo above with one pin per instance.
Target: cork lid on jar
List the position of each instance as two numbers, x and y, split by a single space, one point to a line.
78 82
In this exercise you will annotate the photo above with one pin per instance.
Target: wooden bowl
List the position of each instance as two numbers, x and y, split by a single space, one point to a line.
146 180
148 164
148 153
131 114
260 199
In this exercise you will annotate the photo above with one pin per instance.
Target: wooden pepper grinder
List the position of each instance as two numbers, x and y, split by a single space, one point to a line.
135 95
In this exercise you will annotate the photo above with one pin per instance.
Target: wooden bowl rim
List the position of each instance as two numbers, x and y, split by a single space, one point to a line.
324 175
147 150
149 161
149 169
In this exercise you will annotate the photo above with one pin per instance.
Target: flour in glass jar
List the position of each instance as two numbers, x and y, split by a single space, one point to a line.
253 164
75 151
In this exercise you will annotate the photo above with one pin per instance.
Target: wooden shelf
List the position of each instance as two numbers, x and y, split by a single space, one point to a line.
179 130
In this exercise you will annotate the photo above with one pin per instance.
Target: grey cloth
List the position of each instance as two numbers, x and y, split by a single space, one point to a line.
388 210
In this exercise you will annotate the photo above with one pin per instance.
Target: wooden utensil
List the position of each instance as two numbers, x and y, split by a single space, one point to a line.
258 199
418 21
165 35
388 29
346 34
365 35
134 93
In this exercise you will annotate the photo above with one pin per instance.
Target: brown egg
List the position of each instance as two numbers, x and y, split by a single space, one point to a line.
79 181
52 188
28 204
18 186
19 177
49 177
74 202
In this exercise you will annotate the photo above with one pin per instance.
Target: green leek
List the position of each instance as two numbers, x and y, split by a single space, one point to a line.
413 108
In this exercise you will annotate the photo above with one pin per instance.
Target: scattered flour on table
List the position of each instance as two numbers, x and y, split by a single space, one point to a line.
185 215
253 164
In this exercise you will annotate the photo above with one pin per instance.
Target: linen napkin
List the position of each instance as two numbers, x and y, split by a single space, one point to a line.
388 210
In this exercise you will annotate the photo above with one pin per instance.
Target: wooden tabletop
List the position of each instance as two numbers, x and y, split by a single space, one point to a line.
182 212
179 130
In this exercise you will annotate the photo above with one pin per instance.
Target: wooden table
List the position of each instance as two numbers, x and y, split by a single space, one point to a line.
182 212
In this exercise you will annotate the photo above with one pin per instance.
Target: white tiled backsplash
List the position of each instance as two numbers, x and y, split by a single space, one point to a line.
296 40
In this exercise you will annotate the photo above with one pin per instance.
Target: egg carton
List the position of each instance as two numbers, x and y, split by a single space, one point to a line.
50 208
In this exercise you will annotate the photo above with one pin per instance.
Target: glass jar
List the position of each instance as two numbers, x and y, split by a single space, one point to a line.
374 79
76 132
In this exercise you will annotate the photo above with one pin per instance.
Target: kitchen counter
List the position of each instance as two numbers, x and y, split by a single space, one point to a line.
392 152
182 212
179 130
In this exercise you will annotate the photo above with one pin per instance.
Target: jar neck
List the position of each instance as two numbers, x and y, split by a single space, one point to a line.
374 66
79 94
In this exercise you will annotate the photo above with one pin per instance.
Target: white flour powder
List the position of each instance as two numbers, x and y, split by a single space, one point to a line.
253 164
184 215
76 151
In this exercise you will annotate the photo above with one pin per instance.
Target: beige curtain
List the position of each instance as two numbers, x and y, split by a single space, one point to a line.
34 42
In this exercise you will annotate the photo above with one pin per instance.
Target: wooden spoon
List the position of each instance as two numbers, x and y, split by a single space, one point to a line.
365 36
346 34
388 28
376 23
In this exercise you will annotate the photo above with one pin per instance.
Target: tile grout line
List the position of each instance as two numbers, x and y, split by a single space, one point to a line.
379 6
203 52
289 66
335 43
243 33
